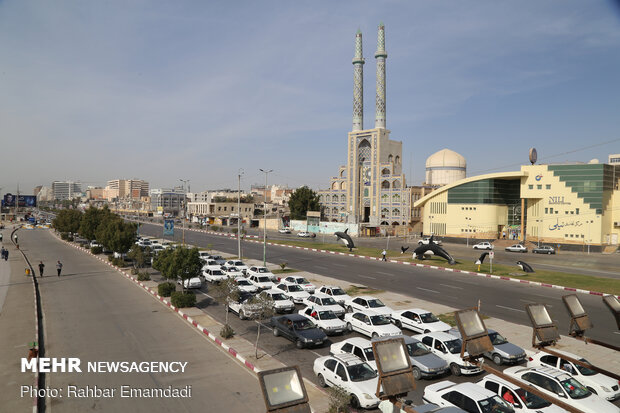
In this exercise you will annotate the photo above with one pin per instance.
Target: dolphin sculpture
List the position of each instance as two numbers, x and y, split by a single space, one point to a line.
481 259
525 266
403 249
345 238
435 249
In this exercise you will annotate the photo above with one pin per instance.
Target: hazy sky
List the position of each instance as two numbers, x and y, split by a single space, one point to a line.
163 90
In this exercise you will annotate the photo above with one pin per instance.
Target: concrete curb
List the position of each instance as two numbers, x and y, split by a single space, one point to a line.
434 267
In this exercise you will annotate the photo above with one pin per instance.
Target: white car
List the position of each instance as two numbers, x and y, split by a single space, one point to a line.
262 271
468 396
325 320
368 303
94 244
418 320
293 291
336 292
305 284
284 230
599 384
522 401
231 272
352 374
483 246
211 265
359 346
262 282
245 286
281 303
214 275
194 282
305 234
562 385
242 307
238 264
426 241
371 324
325 303
448 347
516 248
204 255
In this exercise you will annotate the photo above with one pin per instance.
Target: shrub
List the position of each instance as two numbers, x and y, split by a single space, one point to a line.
135 271
215 228
180 299
227 331
144 276
70 237
64 236
234 230
166 289
339 400
119 262
96 250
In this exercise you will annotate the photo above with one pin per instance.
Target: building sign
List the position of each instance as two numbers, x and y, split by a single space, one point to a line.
538 177
559 225
557 200
22 200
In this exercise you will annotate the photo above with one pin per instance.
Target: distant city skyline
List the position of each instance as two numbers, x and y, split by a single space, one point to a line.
94 91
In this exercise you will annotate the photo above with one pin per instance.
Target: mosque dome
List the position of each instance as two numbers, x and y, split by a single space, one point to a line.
446 157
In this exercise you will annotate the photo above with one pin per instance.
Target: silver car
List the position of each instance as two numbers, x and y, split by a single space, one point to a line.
503 352
424 362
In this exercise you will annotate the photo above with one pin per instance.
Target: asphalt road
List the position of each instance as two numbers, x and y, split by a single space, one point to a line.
93 313
499 299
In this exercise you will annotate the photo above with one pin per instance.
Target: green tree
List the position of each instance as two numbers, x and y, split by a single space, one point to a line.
91 219
303 200
138 256
67 220
180 263
115 234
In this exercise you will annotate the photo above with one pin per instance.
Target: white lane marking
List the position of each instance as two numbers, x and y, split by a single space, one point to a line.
615 332
338 265
318 355
385 273
510 308
452 286
365 276
426 289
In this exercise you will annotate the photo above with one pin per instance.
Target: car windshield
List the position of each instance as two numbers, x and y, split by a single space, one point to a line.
338 291
243 282
497 339
375 303
217 272
329 301
584 370
370 356
233 269
531 400
293 288
238 263
303 325
575 389
379 320
263 279
494 405
327 315
428 318
417 349
454 346
361 372
278 297
263 270
301 281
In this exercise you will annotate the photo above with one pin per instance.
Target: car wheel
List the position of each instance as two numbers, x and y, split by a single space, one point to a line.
398 324
322 381
417 374
241 315
355 403
497 359
549 253
455 369
276 332
299 344
349 327
349 309
375 335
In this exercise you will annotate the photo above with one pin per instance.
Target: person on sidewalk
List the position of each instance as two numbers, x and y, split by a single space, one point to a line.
1 237
41 267
383 254
59 267
2 253
6 255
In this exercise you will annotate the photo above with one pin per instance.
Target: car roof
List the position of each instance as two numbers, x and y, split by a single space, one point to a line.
472 390
357 341
348 359
497 379
407 339
548 371
367 297
414 310
565 353
295 276
365 312
330 286
440 335
293 317
321 295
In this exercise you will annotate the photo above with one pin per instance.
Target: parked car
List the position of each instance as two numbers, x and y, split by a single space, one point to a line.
516 248
418 320
483 246
298 329
350 373
194 282
242 307
214 275
284 230
245 286
336 292
468 396
426 241
371 324
599 384
305 284
368 303
94 244
557 383
262 282
521 400
238 264
325 303
293 292
305 234
503 351
262 271
448 347
211 265
424 362
231 272
326 320
281 303
544 249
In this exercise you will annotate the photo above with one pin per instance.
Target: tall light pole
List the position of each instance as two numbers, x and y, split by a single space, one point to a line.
468 220
183 203
239 214
265 171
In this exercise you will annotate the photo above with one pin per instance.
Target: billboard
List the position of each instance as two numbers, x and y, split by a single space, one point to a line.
24 200
168 227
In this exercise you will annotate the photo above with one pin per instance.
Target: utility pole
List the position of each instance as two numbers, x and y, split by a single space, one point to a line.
183 205
239 214
265 171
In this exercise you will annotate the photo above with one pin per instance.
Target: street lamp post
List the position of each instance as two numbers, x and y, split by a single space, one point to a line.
265 171
239 214
468 220
184 204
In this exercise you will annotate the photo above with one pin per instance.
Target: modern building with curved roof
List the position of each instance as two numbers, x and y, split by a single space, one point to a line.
444 167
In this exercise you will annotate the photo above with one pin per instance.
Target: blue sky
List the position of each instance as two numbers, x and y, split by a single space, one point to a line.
163 90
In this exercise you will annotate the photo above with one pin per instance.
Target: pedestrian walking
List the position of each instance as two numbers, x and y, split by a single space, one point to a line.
0 237
383 255
6 255
15 237
41 267
2 253
59 267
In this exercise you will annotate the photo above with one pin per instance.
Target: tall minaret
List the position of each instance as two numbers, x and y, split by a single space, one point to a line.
358 84
380 55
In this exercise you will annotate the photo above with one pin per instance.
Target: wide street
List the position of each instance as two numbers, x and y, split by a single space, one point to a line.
498 298
94 314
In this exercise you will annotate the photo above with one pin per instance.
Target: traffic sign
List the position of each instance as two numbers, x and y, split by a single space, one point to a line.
492 254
